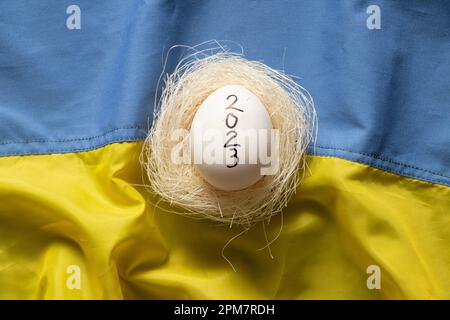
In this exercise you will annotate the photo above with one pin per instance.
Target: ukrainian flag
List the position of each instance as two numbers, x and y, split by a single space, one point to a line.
370 221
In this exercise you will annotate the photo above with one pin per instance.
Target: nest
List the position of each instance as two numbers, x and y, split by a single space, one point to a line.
291 111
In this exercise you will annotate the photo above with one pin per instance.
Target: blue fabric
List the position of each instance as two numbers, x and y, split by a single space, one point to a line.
382 96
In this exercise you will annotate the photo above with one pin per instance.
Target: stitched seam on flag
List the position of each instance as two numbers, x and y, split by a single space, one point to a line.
70 150
137 138
385 168
386 171
72 139
378 157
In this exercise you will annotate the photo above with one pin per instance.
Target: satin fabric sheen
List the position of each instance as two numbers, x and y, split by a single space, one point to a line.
89 209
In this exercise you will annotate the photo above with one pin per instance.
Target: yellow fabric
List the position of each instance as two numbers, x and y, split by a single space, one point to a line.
86 209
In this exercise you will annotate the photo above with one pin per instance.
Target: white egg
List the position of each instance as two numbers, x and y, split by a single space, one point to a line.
223 134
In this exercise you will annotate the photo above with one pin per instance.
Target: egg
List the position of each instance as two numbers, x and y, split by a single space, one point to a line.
229 133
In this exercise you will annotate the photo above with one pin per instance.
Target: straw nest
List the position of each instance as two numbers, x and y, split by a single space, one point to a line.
291 111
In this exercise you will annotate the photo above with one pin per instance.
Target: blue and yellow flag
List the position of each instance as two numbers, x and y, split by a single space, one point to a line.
77 85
